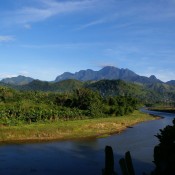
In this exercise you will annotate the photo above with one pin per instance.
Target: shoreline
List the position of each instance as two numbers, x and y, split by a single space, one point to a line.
163 109
71 130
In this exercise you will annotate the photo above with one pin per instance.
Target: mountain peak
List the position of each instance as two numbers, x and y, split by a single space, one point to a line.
109 68
19 80
153 77
110 73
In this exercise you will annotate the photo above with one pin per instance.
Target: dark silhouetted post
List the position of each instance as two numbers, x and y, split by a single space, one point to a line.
109 161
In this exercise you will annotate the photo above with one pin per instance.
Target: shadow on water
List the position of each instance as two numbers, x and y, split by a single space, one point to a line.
85 156
49 159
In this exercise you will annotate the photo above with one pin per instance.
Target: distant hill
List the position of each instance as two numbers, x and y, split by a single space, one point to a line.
19 80
106 73
63 86
109 81
119 87
110 73
171 82
147 93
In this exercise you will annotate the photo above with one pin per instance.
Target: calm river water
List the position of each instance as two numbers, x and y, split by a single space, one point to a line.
84 157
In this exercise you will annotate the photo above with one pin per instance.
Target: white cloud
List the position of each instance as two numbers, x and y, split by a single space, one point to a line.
64 45
24 73
6 38
109 11
27 26
10 75
93 23
6 75
48 8
102 65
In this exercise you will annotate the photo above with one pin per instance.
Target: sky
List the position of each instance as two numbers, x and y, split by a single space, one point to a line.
45 38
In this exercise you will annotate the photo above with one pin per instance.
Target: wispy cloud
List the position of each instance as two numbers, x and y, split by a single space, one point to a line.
27 26
24 73
14 74
102 65
64 45
6 75
6 38
162 74
93 23
140 13
48 8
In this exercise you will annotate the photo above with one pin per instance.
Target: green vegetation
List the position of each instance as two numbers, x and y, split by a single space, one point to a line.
74 129
164 152
78 111
33 106
150 94
168 109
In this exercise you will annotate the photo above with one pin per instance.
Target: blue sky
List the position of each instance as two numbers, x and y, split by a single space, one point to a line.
44 38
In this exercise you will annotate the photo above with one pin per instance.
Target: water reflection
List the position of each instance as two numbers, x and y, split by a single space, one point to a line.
83 156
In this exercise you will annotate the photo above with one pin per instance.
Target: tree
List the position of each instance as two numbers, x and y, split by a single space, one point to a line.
164 152
86 99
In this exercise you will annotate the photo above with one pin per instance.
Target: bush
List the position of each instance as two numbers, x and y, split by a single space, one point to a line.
164 153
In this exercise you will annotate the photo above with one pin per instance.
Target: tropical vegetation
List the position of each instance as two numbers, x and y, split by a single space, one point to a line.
34 106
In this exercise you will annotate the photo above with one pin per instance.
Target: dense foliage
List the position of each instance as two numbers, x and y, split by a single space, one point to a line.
33 106
164 152
150 94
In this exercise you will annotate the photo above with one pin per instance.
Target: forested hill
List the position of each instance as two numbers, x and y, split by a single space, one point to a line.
149 93
63 86
73 99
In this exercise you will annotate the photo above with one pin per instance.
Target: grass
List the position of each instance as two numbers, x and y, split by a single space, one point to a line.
66 130
163 109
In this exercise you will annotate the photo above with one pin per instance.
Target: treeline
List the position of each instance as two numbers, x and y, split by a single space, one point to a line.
33 106
154 94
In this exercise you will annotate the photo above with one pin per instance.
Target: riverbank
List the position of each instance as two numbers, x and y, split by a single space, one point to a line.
163 109
67 130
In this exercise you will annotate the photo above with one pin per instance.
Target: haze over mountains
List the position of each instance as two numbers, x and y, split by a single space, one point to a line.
108 72
19 80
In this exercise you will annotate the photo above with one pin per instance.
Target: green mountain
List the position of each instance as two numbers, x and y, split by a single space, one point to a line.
147 93
19 80
109 81
63 86
121 88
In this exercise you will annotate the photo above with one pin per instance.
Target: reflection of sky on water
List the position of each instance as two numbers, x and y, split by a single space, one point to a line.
83 156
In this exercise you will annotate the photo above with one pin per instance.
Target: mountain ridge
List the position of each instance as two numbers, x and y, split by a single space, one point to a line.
108 72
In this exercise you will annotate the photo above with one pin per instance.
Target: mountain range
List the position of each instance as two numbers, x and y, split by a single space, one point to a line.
108 72
109 81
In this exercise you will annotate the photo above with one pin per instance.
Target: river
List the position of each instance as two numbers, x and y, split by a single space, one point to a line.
84 157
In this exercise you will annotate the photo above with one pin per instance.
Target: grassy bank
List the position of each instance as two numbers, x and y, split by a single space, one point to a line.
163 109
64 130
